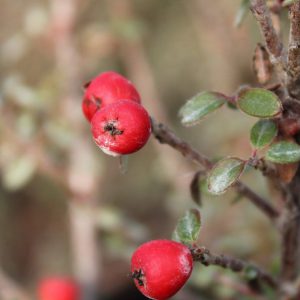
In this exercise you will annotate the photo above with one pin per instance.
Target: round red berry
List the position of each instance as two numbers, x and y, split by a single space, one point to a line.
58 288
121 128
160 268
107 88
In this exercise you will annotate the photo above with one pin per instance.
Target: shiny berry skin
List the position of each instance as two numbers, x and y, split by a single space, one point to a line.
105 89
121 128
58 288
160 268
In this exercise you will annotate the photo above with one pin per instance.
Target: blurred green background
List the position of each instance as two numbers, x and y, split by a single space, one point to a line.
65 207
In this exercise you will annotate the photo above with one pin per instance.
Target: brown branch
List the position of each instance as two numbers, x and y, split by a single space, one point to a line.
272 41
257 200
289 74
290 228
294 51
265 168
205 257
165 136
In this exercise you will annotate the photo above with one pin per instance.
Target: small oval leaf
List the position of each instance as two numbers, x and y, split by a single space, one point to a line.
262 133
284 152
224 174
188 227
199 106
259 103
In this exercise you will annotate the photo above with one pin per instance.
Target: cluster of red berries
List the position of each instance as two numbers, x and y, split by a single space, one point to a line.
160 268
120 124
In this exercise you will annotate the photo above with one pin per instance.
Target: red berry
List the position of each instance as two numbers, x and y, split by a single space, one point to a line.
121 128
58 288
107 88
160 268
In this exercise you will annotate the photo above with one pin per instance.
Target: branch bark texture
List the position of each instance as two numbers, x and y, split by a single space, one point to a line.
288 70
273 43
205 257
290 231
294 51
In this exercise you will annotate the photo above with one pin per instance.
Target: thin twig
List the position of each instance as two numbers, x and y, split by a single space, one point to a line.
294 51
238 286
290 229
257 200
165 136
273 43
266 169
205 257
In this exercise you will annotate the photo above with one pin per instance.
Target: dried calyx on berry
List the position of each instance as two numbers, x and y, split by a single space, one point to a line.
121 128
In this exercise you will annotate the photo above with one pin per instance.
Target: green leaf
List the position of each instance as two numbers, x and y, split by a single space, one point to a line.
188 227
199 106
284 152
262 133
288 2
18 173
224 174
242 13
259 103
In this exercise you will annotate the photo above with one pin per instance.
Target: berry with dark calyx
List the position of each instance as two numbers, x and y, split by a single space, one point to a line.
160 268
121 128
105 89
58 288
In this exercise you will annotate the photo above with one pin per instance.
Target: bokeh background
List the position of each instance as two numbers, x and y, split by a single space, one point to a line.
65 207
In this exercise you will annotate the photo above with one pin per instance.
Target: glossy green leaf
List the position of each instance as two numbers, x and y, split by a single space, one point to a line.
242 13
262 133
188 227
284 152
199 106
18 173
224 174
259 103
